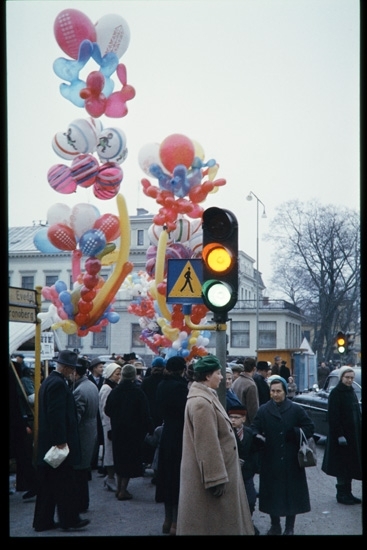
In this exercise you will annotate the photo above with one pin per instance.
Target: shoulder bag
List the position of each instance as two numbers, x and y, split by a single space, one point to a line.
307 451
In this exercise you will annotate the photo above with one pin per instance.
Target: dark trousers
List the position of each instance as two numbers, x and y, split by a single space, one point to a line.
57 490
251 493
82 480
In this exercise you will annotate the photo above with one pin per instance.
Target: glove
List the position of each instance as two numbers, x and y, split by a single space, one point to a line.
109 435
342 441
260 438
217 490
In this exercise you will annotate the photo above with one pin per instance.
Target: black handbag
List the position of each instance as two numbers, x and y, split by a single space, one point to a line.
307 451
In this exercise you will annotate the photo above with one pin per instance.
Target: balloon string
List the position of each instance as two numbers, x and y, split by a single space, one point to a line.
159 272
122 267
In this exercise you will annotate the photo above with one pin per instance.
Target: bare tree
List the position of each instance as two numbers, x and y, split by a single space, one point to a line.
318 267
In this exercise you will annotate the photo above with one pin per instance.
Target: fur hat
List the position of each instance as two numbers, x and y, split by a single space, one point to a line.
208 363
237 409
110 369
68 358
176 364
128 372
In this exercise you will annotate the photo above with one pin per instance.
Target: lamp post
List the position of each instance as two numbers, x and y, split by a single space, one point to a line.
249 198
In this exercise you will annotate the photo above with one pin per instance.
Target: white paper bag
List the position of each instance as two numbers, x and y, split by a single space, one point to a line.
55 456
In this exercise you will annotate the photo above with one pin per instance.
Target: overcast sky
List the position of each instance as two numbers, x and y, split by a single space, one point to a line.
269 88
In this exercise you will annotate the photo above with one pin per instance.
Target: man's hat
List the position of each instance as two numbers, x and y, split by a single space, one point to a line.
95 362
68 358
262 365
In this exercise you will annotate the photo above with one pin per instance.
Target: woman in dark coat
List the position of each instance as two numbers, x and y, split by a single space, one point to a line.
128 408
171 400
283 489
343 455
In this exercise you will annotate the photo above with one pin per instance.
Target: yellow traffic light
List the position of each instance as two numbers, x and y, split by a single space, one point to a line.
341 342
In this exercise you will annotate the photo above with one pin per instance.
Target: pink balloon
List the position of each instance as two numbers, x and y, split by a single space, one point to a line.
71 27
60 179
176 149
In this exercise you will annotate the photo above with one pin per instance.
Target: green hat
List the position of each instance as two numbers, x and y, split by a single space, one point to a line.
208 363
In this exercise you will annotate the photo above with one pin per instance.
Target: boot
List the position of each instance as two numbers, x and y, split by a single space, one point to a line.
118 485
275 528
348 490
289 525
342 496
124 493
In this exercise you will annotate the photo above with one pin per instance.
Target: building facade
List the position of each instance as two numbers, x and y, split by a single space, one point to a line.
280 323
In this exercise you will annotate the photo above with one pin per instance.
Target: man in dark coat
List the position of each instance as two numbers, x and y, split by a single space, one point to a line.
127 406
58 425
260 377
283 489
343 454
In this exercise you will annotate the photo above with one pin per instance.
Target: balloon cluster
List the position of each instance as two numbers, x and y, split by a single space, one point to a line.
104 43
82 230
82 138
178 165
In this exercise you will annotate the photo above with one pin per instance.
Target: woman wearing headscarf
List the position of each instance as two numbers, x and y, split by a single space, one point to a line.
128 408
283 489
171 399
343 455
112 376
212 498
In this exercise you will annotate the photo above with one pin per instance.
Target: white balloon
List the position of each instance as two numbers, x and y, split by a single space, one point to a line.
59 213
113 34
148 155
82 218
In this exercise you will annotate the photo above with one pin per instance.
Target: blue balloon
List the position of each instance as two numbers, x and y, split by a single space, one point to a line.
92 242
64 295
42 243
113 317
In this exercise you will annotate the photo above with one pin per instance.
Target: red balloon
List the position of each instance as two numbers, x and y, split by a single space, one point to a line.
88 294
110 225
176 149
93 266
85 307
62 236
90 281
71 27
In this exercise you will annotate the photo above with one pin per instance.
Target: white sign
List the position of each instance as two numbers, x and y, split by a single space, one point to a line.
47 346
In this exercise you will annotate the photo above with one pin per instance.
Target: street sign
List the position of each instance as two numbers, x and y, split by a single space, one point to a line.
184 281
47 345
22 305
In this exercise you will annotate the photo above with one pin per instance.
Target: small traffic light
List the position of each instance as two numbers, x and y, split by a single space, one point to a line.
341 342
350 341
220 261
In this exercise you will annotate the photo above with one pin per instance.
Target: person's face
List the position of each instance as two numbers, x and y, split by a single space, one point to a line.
229 380
237 420
98 370
235 375
348 378
213 379
116 376
279 361
277 392
69 373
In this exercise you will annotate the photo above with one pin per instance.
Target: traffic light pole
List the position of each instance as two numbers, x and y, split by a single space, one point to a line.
221 353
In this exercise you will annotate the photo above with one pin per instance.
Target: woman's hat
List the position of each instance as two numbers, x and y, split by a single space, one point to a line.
68 358
110 369
176 363
158 362
343 370
208 363
128 372
277 378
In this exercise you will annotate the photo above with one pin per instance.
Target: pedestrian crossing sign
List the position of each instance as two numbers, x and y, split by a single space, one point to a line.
184 281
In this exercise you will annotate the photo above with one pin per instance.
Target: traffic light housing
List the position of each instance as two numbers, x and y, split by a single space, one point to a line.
341 342
220 262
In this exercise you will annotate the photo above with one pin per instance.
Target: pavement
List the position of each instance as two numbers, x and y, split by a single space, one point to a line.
142 516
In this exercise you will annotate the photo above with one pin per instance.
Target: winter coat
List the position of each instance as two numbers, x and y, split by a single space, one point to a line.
57 416
246 391
149 386
87 400
171 401
344 417
127 406
210 458
106 421
283 486
263 389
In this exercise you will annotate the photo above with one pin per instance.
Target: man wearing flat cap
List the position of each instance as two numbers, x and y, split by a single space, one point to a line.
212 499
58 426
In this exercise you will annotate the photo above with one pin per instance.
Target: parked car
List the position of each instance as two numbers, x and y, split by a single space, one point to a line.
315 402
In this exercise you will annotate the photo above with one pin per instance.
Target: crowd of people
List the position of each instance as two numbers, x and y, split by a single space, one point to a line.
213 462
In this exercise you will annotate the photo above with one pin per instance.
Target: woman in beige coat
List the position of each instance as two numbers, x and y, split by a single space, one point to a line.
212 497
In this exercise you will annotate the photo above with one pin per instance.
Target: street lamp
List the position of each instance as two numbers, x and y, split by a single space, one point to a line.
249 198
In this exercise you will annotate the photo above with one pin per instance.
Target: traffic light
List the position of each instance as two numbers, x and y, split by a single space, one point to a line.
350 341
220 262
341 342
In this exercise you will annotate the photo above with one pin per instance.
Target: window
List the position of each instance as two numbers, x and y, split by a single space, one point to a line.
51 279
100 338
135 336
28 282
74 341
267 334
140 237
240 334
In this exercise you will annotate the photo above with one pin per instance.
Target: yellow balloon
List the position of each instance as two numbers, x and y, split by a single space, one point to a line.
198 150
212 172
